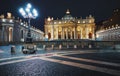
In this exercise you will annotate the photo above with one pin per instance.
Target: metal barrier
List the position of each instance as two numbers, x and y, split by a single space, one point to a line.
80 44
75 44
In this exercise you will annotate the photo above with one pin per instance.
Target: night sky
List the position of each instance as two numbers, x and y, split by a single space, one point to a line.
100 9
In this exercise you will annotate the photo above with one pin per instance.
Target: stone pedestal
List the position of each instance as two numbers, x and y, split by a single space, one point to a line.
29 38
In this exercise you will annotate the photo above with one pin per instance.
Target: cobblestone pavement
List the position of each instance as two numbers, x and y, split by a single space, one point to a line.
67 63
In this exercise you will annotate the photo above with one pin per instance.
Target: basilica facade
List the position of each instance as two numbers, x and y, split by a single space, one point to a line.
69 27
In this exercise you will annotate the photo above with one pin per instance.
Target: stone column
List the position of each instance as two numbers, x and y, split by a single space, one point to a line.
8 32
61 33
71 35
93 34
2 39
66 33
2 34
52 34
46 30
57 33
81 33
74 33
63 36
5 33
86 32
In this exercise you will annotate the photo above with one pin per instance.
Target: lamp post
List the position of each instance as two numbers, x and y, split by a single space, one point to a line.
28 13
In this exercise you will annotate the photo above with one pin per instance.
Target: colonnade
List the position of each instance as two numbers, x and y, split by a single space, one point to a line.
6 34
71 33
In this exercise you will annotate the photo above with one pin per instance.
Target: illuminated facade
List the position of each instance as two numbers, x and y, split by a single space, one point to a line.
12 30
109 30
70 28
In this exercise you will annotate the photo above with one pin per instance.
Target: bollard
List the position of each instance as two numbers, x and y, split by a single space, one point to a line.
12 49
60 47
75 46
44 46
52 46
82 46
67 46
90 46
35 47
98 47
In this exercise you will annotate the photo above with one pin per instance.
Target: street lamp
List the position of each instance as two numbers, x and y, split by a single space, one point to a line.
28 13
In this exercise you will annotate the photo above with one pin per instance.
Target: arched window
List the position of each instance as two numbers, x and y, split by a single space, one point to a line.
90 35
73 34
79 36
69 35
49 35
59 35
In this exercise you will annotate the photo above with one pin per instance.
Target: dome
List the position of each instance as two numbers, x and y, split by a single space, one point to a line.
68 16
